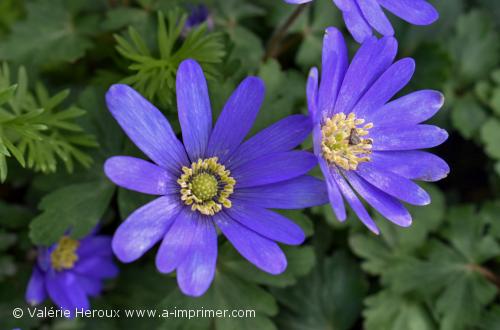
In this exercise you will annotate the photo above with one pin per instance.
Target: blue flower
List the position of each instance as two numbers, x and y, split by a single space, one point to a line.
213 178
70 271
367 145
363 16
198 14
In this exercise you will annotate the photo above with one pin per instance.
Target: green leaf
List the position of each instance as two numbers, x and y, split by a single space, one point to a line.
154 69
474 46
389 311
50 34
75 209
300 262
467 116
490 135
328 298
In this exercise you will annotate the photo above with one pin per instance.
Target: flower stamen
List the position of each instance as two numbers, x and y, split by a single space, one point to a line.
206 186
343 141
64 255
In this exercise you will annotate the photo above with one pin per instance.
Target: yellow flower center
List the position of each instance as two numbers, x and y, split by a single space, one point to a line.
64 255
343 141
206 186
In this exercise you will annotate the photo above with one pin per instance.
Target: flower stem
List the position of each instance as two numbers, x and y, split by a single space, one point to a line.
488 274
272 48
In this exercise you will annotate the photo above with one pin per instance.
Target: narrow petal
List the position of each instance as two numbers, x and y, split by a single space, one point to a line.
410 109
96 267
266 223
354 202
177 241
95 246
36 293
146 126
312 93
143 228
386 205
196 272
390 82
334 195
65 291
412 164
375 16
354 20
333 68
301 192
193 104
393 184
260 251
407 137
370 61
236 118
284 135
418 12
139 175
273 168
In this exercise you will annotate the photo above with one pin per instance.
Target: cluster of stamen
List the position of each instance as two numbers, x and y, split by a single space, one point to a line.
64 255
343 141
206 186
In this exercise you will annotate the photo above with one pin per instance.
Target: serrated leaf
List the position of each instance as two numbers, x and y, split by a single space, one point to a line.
490 135
74 209
467 116
328 298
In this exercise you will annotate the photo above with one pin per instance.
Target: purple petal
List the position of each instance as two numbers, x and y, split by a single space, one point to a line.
410 109
146 126
312 94
334 65
138 175
236 118
65 291
418 12
193 104
96 267
393 184
260 251
284 135
95 246
354 20
389 83
375 16
36 293
301 192
334 195
90 285
354 202
177 241
370 61
266 223
407 137
143 228
413 164
273 168
196 272
387 205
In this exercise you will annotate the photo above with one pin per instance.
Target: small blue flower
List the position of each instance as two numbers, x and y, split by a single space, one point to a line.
367 145
363 16
70 271
214 178
198 14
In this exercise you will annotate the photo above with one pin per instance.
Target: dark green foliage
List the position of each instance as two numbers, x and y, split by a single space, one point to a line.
442 273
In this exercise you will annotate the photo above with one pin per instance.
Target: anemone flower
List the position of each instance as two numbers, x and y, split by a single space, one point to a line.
213 179
70 271
363 16
367 145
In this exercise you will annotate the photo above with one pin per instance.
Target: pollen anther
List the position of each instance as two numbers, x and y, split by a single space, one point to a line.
206 186
344 142
64 255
